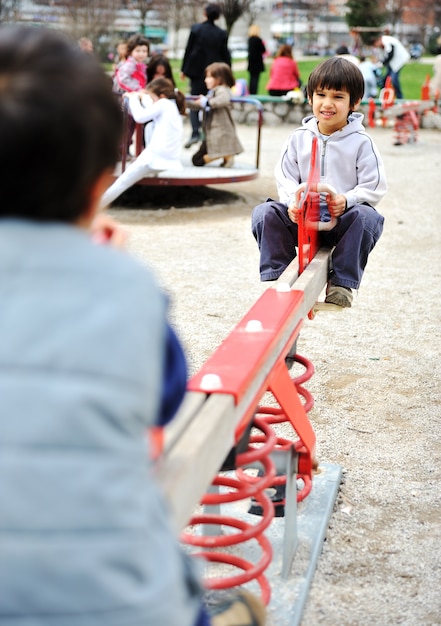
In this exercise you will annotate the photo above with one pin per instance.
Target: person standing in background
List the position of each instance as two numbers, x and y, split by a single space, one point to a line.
394 58
369 70
207 43
256 51
284 73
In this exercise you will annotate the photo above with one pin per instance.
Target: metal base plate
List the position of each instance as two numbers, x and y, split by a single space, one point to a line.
289 593
313 514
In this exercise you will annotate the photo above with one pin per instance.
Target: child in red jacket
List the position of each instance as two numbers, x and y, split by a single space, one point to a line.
132 75
284 73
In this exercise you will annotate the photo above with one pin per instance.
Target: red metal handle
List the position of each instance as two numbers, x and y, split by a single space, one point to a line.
318 188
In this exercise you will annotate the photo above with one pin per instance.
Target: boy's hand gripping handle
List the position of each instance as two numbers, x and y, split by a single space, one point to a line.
318 188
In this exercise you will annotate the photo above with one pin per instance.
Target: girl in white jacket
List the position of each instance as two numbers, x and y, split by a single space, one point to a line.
163 106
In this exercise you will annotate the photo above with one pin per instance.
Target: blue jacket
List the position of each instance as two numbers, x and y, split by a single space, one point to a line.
84 531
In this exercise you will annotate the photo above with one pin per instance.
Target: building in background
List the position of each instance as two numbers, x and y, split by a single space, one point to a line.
312 26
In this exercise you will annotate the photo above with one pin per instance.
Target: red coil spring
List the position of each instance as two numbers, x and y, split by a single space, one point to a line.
240 487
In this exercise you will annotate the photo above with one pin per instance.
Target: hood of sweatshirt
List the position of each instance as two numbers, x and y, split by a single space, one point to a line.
355 124
349 161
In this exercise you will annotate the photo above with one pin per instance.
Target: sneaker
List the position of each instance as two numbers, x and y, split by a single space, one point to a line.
341 296
240 608
191 142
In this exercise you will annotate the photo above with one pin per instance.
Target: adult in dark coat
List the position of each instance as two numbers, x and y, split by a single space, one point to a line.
207 43
256 50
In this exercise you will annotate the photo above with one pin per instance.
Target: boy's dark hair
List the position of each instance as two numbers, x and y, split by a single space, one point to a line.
137 40
221 71
339 74
212 11
165 87
60 125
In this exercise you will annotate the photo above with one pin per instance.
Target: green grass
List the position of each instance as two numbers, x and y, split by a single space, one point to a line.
412 76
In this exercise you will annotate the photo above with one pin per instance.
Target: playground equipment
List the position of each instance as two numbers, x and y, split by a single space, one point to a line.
405 115
225 447
235 368
222 404
307 199
209 174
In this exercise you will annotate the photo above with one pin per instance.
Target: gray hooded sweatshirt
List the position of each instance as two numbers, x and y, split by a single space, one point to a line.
349 161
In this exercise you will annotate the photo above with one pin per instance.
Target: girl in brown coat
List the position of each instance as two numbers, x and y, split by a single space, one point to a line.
221 141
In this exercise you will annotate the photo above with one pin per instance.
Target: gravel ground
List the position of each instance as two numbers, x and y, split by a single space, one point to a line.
377 369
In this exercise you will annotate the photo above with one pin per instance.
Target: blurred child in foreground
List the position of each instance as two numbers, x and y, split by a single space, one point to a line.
88 362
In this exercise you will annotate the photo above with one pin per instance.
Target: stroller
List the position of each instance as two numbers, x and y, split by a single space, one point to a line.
416 50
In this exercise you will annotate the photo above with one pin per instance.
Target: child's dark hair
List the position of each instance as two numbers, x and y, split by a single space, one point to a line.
159 60
339 74
164 87
222 72
60 125
137 40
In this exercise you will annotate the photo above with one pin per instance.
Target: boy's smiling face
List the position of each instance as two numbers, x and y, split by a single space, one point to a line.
331 108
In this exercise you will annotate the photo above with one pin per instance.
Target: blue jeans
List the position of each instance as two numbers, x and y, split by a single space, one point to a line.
203 618
355 235
395 79
197 87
